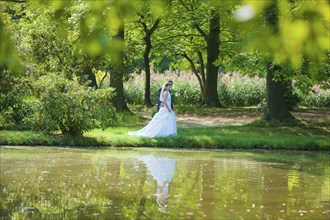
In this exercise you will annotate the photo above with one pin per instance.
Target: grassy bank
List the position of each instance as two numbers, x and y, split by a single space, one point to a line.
311 131
250 136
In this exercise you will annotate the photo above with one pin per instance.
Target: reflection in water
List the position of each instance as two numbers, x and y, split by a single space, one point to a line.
39 183
162 170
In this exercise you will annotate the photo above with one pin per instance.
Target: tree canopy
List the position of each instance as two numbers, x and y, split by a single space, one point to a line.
77 39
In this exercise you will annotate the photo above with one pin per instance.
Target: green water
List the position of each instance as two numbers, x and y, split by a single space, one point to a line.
53 183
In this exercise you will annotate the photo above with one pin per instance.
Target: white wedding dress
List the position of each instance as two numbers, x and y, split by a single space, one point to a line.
162 170
163 124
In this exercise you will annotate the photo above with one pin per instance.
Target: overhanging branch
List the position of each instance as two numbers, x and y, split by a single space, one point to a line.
15 1
201 31
181 35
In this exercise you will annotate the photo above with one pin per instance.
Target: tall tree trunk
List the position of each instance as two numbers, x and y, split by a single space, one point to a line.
90 77
194 70
213 43
202 71
147 40
147 100
116 76
277 108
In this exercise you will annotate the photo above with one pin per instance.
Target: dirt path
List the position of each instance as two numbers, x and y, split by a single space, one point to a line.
220 120
240 117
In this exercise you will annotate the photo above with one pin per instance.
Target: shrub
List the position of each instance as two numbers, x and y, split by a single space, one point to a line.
73 108
134 93
234 89
16 109
318 100
237 90
184 91
21 110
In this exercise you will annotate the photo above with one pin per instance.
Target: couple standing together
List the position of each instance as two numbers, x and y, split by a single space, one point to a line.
163 124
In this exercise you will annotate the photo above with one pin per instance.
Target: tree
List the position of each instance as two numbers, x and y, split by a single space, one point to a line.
291 36
54 47
149 22
147 39
140 32
117 73
198 38
277 108
213 44
211 37
178 39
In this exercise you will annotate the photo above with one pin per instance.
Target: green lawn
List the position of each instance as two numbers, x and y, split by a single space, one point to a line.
299 135
237 137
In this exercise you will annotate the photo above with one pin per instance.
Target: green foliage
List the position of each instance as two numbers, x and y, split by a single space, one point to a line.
184 92
134 92
238 90
320 99
20 112
8 56
71 107
291 96
71 37
300 34
8 83
14 108
233 89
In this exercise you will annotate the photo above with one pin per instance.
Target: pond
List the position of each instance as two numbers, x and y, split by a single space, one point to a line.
64 183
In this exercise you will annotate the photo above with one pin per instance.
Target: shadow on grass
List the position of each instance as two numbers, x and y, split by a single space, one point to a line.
299 135
76 141
297 126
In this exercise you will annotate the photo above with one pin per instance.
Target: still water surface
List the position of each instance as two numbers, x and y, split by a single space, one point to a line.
53 183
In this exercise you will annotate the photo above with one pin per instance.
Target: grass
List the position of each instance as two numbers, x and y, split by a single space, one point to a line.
299 135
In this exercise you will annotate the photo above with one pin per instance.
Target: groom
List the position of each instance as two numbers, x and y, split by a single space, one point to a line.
160 103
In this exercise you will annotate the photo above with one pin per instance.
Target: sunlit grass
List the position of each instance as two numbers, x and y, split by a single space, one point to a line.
296 135
227 137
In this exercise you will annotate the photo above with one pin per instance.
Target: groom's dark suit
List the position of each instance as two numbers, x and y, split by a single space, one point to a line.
160 102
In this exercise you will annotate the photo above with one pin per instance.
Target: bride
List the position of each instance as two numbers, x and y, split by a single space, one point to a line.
163 124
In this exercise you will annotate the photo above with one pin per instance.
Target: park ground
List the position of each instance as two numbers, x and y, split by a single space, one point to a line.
190 117
198 128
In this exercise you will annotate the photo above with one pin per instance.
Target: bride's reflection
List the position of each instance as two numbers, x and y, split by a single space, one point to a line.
162 170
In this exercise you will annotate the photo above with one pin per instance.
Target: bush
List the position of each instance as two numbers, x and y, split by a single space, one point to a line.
134 93
16 109
20 111
186 93
237 90
234 89
316 100
72 108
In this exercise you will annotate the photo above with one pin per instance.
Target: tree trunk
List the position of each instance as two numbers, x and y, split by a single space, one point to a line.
213 43
194 70
90 77
147 100
116 77
277 108
202 72
147 40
